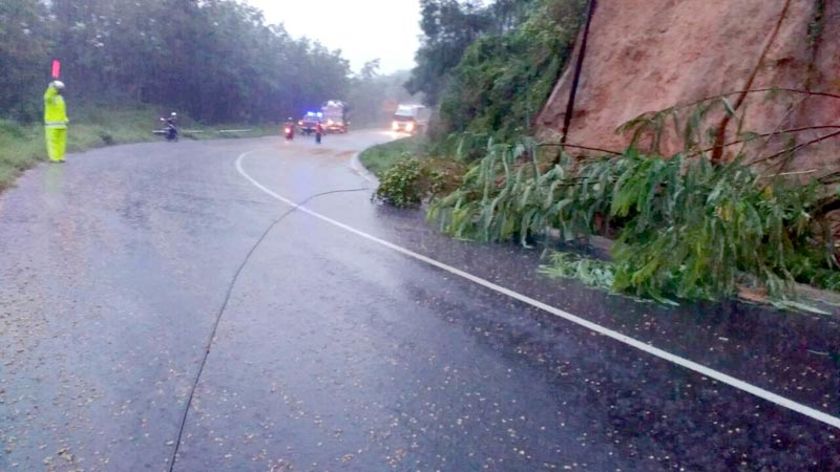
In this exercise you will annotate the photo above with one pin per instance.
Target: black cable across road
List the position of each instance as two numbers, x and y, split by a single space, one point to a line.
225 304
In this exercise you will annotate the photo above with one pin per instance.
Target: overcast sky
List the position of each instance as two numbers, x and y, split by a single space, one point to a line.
363 29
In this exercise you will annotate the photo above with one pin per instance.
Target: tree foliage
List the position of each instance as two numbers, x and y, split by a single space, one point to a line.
449 27
504 79
23 47
492 67
218 60
685 228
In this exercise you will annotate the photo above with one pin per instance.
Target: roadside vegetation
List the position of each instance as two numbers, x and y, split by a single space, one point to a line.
410 171
380 158
22 145
490 68
684 228
707 221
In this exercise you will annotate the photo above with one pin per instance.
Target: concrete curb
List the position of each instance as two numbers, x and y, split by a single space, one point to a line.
359 168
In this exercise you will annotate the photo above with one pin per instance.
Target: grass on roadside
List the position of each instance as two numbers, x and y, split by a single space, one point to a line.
22 145
409 171
378 159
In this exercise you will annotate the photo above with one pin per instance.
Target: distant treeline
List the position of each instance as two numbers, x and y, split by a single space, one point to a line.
216 60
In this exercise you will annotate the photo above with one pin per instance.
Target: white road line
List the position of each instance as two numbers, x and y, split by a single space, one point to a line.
673 358
357 167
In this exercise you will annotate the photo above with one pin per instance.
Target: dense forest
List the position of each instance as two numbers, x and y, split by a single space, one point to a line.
215 60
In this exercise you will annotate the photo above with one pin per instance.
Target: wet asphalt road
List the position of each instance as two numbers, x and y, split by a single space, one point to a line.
335 353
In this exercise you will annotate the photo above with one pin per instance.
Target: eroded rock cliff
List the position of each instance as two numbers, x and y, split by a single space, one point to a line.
648 55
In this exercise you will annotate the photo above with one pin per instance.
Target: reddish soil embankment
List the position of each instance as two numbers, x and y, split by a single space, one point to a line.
647 55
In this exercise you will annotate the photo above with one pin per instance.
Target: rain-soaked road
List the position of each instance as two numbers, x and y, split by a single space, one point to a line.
339 352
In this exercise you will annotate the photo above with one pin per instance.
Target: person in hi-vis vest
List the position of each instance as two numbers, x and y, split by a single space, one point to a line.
55 121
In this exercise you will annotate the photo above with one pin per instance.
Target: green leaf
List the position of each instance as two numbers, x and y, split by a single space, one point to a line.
728 107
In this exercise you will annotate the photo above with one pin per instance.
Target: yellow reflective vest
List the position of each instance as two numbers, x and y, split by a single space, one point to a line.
55 111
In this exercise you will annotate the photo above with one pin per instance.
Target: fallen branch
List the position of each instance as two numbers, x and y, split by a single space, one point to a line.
797 147
720 136
586 148
765 135
788 173
757 90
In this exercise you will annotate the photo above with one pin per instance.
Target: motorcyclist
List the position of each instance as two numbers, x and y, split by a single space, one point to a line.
170 127
319 131
289 128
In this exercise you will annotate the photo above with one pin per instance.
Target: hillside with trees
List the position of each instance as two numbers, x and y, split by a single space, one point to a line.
491 67
703 147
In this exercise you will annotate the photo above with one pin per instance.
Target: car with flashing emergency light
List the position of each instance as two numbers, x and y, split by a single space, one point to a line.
309 122
410 119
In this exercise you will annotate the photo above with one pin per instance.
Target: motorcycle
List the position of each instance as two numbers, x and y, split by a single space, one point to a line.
169 130
289 132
